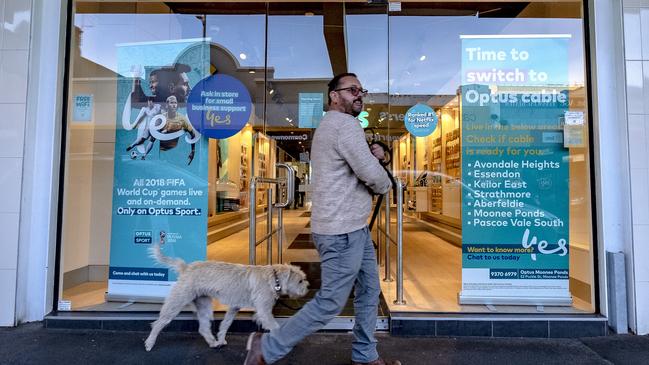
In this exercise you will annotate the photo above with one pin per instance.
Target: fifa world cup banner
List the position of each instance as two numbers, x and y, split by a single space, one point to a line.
515 172
161 161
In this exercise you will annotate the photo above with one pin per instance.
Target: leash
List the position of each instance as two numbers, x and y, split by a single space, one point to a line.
384 163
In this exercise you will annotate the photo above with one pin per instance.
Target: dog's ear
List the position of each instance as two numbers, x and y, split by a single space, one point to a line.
291 272
297 272
288 271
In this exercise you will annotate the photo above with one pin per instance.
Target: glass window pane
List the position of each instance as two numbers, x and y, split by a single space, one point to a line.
443 54
135 164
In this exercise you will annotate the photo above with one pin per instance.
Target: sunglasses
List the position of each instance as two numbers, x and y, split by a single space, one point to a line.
354 90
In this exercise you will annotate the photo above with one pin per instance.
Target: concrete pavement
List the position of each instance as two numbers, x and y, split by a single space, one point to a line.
33 344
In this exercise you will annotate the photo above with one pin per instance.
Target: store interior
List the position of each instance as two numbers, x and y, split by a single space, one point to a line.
430 167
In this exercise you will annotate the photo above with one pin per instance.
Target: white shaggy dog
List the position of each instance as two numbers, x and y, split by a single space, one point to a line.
234 285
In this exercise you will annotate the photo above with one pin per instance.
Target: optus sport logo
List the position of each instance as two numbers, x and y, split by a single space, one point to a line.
143 237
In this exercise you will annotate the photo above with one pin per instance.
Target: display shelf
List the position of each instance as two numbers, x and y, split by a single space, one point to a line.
436 198
452 160
244 175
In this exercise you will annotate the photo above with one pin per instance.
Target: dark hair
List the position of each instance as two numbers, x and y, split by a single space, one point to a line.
333 84
168 77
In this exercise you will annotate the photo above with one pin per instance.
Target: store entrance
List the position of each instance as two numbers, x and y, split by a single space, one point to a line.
406 54
295 101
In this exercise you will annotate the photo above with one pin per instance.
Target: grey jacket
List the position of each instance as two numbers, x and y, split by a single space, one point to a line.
343 170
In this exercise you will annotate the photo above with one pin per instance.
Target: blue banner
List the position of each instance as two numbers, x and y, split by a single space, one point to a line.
219 106
310 109
515 173
420 120
82 108
161 161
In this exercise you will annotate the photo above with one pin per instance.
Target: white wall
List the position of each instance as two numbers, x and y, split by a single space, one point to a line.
636 56
43 83
14 56
610 141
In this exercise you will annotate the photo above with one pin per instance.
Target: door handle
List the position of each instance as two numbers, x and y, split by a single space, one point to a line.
290 185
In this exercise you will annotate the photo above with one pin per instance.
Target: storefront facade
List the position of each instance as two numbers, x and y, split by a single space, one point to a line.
498 116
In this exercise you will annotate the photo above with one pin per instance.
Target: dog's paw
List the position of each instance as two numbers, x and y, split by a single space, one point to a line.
148 345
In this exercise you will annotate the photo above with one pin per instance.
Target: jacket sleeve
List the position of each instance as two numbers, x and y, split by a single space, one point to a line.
353 147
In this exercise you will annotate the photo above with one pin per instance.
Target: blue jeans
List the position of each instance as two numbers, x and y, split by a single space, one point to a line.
347 260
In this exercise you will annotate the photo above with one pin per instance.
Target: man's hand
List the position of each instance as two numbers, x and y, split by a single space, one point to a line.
378 151
190 157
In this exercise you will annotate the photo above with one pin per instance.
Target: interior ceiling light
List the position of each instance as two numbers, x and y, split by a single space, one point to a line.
242 56
422 58
251 72
271 91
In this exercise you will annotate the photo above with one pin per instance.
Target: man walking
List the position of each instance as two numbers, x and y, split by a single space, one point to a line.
344 173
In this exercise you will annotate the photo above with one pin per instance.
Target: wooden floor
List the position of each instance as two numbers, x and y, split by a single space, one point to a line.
432 272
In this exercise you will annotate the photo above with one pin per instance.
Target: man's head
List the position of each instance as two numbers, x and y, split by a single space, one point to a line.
180 87
172 104
154 80
346 94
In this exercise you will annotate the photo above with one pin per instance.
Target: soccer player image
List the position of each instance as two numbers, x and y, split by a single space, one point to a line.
180 86
142 123
170 126
163 82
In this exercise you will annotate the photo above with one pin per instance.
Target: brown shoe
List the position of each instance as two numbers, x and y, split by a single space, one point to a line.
254 356
379 361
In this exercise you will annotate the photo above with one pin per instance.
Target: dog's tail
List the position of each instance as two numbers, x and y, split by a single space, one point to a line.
176 264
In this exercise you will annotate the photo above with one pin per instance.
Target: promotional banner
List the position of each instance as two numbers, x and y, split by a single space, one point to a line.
160 177
310 109
515 173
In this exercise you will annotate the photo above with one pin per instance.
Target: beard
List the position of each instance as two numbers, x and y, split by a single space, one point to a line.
354 108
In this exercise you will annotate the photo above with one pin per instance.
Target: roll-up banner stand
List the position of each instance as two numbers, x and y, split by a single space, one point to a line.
515 172
161 161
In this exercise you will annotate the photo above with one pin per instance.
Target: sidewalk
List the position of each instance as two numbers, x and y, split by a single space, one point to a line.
33 344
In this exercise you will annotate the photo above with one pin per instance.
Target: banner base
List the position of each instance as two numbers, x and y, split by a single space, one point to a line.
133 298
547 301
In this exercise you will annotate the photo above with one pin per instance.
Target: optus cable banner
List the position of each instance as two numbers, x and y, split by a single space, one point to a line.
515 173
160 178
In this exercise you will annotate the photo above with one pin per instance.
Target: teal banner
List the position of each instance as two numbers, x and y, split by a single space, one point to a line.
160 174
310 109
515 173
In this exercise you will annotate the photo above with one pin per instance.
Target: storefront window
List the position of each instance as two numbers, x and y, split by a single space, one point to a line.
483 105
506 168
